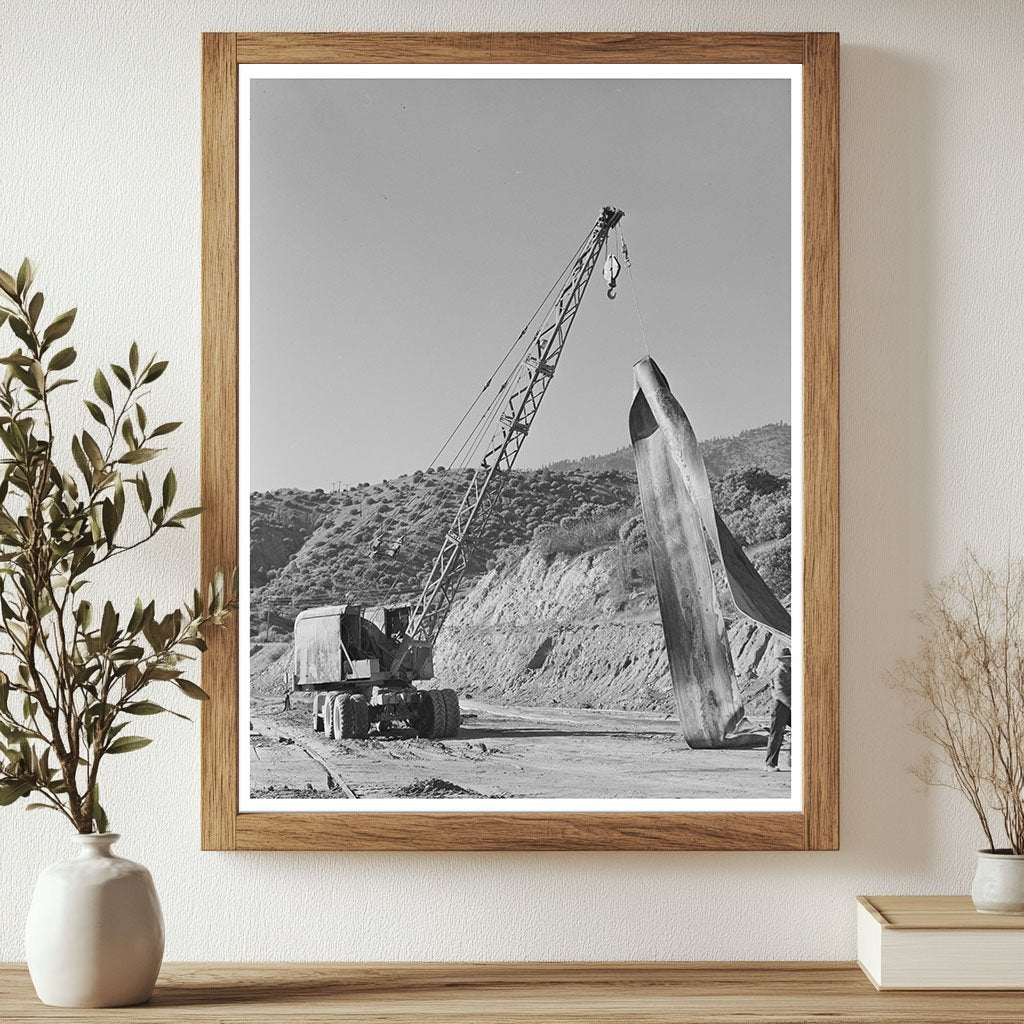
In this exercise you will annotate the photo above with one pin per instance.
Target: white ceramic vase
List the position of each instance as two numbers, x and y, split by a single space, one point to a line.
95 934
999 883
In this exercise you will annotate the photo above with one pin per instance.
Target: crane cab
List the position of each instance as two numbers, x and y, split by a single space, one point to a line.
363 674
347 643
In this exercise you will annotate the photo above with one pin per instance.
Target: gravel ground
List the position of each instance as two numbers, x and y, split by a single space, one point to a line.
504 752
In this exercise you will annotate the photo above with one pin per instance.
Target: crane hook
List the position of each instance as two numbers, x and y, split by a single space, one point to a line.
610 273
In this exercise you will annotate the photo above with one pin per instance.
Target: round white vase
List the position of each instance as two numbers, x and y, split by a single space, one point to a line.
999 883
95 934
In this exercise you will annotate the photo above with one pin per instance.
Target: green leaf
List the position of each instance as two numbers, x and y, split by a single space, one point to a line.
81 461
143 707
35 308
102 388
63 359
128 433
40 807
20 329
139 455
26 274
94 525
165 428
133 358
130 653
95 412
109 517
119 499
154 371
191 690
170 488
185 513
145 498
126 744
14 790
92 449
60 326
99 816
121 374
137 617
8 284
147 707
108 624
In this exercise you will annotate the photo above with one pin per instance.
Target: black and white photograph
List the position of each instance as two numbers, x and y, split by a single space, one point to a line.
520 428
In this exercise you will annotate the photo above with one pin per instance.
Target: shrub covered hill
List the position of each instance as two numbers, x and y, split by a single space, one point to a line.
376 542
767 447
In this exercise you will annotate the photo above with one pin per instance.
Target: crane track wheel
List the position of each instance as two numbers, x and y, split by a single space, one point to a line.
433 724
351 717
328 714
452 713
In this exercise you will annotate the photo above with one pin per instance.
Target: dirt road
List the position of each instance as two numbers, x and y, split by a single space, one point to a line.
504 752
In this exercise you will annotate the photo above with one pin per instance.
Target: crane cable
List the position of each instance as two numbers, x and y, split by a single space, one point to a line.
632 286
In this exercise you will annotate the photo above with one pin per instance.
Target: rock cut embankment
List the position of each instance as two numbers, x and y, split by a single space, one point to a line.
565 630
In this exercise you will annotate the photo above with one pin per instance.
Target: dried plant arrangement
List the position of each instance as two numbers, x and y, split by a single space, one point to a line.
81 670
966 682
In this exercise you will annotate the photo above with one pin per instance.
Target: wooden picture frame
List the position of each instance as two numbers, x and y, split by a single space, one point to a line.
816 827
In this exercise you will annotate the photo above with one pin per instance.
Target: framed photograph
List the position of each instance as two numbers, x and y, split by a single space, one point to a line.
520 420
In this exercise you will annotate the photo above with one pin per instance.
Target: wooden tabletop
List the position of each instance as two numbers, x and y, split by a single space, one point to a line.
793 993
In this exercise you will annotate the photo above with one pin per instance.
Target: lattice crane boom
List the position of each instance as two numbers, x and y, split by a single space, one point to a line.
526 392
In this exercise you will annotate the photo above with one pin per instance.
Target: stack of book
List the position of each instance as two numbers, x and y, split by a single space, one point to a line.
938 942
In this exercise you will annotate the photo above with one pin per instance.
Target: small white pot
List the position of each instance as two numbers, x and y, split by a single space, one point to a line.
999 882
95 934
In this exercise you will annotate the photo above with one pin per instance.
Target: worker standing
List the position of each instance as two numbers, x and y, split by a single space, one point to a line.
781 714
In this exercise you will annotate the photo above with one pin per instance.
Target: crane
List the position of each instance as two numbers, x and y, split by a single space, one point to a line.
364 663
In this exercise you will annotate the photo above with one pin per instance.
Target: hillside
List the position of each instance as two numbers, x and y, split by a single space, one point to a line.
376 542
318 548
768 446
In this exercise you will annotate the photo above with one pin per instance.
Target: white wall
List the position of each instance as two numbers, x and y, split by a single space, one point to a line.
99 181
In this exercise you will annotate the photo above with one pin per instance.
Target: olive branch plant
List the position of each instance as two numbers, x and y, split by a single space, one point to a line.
79 673
966 681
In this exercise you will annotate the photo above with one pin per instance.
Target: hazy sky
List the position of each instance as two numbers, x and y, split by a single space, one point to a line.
403 231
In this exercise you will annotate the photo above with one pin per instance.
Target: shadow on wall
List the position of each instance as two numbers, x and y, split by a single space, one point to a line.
887 275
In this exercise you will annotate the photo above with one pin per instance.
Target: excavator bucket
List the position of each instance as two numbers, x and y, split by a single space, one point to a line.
681 522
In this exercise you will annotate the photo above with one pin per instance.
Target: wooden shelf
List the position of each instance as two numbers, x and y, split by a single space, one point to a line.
793 993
